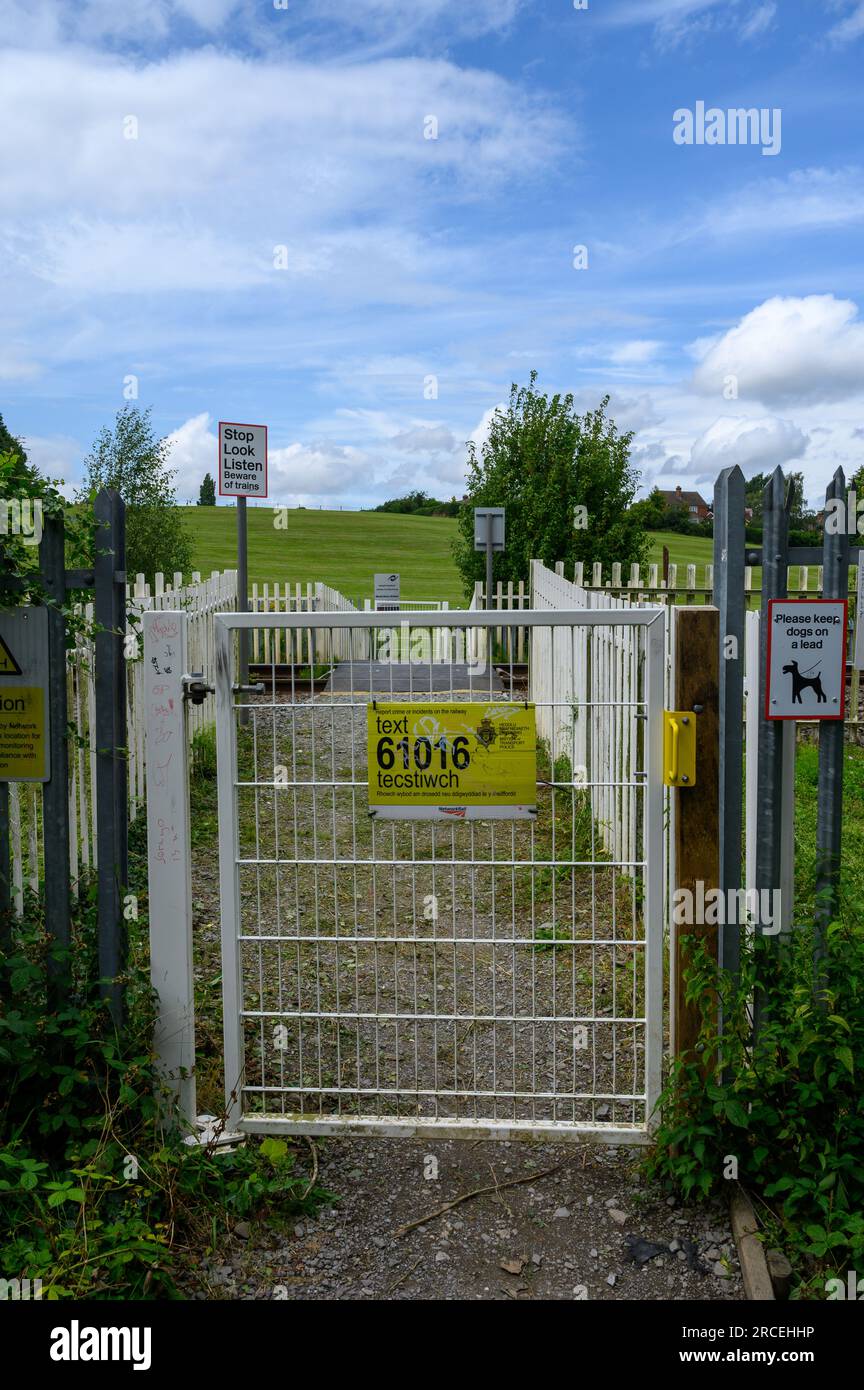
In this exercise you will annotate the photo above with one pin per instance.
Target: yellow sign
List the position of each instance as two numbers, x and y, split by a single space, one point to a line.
8 665
22 733
452 761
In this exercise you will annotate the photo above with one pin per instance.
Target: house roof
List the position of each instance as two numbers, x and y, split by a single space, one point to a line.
677 495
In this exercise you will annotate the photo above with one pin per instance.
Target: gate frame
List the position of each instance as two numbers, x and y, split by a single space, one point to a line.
654 619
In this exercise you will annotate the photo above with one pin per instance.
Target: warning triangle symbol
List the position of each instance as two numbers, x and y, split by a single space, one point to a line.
8 665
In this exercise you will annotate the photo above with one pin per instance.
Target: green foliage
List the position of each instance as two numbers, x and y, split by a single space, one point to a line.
787 1106
651 511
19 554
541 461
420 504
207 493
130 459
99 1197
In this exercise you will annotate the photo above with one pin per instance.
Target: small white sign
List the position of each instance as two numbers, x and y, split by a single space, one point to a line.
806 659
482 518
242 460
387 592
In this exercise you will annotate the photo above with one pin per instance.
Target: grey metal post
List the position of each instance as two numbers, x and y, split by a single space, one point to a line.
55 794
110 691
769 831
729 558
835 584
775 542
243 599
489 525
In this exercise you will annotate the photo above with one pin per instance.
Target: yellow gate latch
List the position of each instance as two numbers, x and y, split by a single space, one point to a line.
679 748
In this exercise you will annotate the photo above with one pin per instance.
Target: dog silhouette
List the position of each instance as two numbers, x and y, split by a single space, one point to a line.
800 683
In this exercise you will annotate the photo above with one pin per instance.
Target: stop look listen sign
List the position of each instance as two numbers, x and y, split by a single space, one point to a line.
242 459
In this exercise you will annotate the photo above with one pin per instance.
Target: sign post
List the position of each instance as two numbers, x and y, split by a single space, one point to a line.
489 536
242 474
806 659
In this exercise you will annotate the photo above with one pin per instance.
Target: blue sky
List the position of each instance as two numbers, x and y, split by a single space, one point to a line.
280 243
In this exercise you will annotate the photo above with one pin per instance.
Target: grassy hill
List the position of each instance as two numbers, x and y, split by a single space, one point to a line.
345 549
683 550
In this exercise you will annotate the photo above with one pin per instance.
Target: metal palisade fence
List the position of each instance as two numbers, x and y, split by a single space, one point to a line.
201 599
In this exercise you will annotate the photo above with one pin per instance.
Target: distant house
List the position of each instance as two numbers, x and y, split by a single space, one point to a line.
695 504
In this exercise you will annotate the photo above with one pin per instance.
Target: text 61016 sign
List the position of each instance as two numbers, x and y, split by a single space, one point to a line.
24 744
452 761
806 659
242 460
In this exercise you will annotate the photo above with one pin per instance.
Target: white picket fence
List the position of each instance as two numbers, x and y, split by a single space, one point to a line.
200 599
585 684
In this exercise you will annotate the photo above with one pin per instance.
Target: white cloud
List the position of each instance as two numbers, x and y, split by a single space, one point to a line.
638 351
760 20
788 350
15 365
480 434
805 199
320 470
297 472
756 445
194 452
405 19
424 439
236 158
850 28
678 21
56 456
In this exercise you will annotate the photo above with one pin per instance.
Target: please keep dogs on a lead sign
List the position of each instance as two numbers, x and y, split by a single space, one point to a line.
242 460
806 659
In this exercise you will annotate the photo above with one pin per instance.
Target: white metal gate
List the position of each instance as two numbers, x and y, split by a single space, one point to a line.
428 978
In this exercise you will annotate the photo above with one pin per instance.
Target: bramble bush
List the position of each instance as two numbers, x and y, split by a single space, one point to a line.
786 1105
99 1196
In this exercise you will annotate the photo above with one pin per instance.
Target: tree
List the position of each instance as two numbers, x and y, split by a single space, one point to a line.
753 489
207 495
565 480
132 460
651 511
10 445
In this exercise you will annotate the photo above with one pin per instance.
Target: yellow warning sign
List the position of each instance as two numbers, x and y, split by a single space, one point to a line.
8 665
452 761
22 734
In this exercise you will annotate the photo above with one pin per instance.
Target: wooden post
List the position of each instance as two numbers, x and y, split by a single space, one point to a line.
697 822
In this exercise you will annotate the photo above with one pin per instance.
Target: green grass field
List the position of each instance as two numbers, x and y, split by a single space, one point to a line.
344 549
683 550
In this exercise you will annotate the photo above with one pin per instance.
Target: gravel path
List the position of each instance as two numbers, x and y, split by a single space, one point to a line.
590 1230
